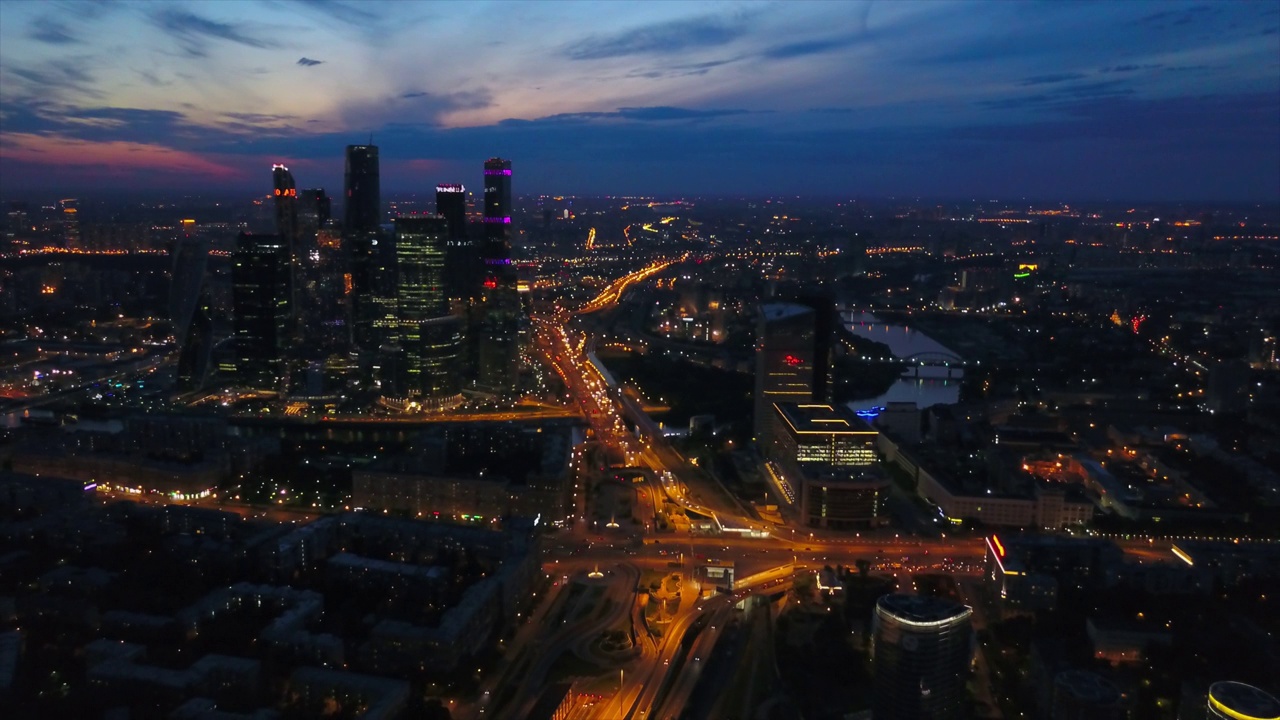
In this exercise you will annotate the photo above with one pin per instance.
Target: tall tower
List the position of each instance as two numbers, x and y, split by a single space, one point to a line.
260 308
786 351
286 200
921 650
429 337
70 223
362 215
362 201
498 352
189 311
451 202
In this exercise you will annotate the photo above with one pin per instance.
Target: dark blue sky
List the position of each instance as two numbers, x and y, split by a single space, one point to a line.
1048 100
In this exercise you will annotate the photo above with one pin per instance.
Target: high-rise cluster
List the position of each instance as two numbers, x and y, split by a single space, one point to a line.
416 309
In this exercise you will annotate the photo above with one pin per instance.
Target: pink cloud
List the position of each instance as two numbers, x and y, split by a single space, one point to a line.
109 158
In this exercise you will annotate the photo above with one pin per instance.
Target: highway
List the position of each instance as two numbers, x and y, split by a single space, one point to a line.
662 674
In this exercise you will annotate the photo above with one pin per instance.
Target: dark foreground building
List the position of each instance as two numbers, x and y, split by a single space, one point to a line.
921 650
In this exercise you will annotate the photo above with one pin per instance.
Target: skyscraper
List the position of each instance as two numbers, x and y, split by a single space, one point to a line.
286 201
451 203
70 223
786 337
460 280
921 650
260 309
499 307
429 337
315 203
362 215
189 311
362 201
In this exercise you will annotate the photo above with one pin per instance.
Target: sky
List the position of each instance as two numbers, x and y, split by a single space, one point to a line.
1041 100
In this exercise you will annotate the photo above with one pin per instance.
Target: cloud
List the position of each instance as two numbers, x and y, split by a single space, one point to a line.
683 70
666 37
1060 95
1131 68
54 79
659 113
808 47
109 158
308 62
1050 79
192 31
345 13
412 107
262 118
48 30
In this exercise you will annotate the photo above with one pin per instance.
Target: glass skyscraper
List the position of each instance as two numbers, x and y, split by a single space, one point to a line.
368 261
260 308
429 338
190 312
451 202
362 199
921 650
499 324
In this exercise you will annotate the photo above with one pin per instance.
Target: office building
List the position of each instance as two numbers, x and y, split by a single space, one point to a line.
189 311
1083 695
369 261
827 455
1025 572
362 200
260 308
429 337
70 222
460 281
1237 701
921 651
499 311
286 206
316 205
785 352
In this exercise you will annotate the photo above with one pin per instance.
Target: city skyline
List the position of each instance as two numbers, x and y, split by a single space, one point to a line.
1137 101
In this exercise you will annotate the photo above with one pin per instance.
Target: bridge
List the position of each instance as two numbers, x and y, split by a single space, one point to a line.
952 366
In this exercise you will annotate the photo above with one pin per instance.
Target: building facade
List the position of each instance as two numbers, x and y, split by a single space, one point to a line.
498 310
785 358
921 652
261 310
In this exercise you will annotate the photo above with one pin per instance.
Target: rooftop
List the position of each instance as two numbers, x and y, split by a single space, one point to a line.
821 419
1238 700
922 609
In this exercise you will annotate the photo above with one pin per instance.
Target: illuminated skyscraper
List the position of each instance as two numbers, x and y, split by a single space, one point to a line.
260 308
921 650
70 223
429 337
499 307
286 201
785 353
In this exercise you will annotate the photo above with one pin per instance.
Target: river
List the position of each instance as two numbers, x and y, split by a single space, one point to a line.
934 386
